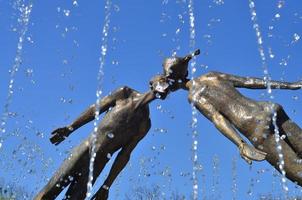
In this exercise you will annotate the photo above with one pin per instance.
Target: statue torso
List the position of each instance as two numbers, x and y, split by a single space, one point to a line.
241 111
122 123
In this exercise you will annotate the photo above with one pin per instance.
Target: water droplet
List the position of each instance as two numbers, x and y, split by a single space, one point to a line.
280 4
110 135
108 155
66 12
296 37
29 39
295 97
283 62
277 16
164 2
162 147
116 8
114 62
299 161
29 72
75 3
271 55
161 130
218 2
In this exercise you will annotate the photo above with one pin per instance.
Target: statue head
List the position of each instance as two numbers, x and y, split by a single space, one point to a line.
176 68
160 86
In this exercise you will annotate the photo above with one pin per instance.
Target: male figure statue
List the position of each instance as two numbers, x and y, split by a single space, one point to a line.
125 123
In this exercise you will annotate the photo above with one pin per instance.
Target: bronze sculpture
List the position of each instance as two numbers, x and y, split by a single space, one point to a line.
216 97
124 125
213 94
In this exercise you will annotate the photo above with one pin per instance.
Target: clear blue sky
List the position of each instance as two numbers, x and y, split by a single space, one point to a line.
58 78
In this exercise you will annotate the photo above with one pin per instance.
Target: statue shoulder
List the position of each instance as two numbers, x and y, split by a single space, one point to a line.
126 90
212 75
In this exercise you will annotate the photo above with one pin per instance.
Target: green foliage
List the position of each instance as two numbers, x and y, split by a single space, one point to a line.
151 193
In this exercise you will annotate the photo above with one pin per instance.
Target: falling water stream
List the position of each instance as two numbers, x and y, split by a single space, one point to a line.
216 194
267 80
23 20
234 178
99 92
194 110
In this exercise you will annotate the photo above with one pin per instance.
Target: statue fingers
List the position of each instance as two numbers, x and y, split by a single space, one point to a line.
54 132
196 52
58 131
260 155
300 84
56 139
256 155
261 152
53 139
249 161
297 85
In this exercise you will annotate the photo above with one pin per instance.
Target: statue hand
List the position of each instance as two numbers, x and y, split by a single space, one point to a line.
249 153
296 85
102 194
58 135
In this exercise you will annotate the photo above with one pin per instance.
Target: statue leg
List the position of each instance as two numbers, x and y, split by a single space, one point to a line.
78 188
292 131
64 175
292 163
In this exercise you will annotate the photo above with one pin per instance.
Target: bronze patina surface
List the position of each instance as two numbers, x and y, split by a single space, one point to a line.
214 94
125 123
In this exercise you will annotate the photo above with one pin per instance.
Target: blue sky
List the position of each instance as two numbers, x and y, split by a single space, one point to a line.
57 80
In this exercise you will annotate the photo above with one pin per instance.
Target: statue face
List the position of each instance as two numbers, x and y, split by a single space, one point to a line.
160 86
175 68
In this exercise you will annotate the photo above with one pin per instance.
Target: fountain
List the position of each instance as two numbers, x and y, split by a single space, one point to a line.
267 78
23 20
99 95
61 41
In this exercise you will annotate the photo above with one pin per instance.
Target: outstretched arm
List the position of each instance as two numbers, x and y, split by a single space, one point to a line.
257 83
247 152
88 115
118 165
145 99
